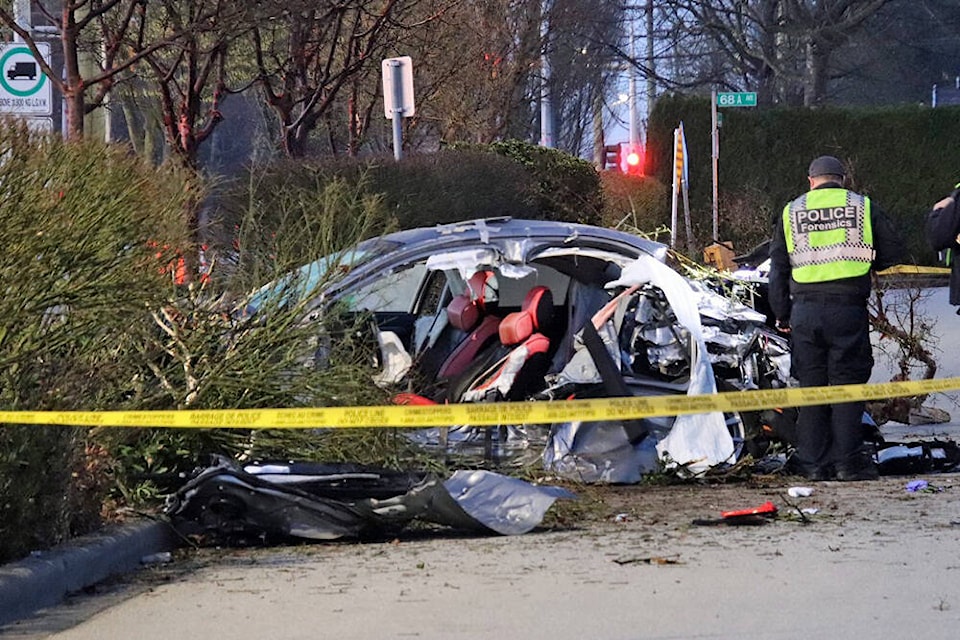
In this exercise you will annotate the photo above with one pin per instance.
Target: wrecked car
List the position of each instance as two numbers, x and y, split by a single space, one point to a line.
520 310
511 310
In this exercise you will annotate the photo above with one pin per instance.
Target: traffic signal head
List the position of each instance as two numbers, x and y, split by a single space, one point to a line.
612 157
631 158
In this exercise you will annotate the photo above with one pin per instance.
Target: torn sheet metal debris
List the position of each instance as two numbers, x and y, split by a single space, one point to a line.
273 502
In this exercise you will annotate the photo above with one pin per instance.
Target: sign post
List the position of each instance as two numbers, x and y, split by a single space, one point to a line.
398 96
723 99
715 163
24 89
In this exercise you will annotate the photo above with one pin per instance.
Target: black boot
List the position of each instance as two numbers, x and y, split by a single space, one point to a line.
860 466
809 470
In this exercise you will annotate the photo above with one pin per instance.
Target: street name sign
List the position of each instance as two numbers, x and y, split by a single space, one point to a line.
736 98
24 89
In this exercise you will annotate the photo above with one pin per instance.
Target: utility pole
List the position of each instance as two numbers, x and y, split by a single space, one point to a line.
23 18
599 143
634 136
651 68
546 107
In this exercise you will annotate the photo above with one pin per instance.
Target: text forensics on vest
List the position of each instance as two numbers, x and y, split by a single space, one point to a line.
826 219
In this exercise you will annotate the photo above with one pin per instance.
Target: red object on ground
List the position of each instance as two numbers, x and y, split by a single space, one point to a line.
766 509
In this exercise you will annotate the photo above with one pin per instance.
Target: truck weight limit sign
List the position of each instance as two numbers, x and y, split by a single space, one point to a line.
23 87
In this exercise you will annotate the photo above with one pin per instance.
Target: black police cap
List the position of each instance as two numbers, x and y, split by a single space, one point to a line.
826 166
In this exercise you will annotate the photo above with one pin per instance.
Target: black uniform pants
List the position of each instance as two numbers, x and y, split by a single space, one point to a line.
830 345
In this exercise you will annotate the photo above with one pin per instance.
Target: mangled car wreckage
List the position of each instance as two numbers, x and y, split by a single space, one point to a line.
522 310
508 309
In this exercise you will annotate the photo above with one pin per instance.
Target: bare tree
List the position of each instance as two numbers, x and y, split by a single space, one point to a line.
823 27
481 74
310 51
190 78
747 39
583 64
786 50
477 80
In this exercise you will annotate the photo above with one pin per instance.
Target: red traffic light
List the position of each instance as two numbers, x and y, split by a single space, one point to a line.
631 158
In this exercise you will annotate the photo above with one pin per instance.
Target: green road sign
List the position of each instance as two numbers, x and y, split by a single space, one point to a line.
737 99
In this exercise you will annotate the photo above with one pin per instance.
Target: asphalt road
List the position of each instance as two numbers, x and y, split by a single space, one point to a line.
873 562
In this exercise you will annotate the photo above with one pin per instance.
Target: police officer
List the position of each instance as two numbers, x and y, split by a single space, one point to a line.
824 245
942 229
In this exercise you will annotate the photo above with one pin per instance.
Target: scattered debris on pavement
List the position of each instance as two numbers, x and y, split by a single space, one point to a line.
271 502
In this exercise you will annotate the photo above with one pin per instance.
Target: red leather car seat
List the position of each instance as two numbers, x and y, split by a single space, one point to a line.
469 313
521 371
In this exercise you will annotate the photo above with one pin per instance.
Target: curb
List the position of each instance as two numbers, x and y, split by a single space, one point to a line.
46 579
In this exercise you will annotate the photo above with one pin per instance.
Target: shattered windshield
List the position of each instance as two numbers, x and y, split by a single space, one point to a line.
390 292
311 278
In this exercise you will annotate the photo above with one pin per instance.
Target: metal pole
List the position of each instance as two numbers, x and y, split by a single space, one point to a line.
397 72
634 139
715 155
599 144
651 68
546 108
23 17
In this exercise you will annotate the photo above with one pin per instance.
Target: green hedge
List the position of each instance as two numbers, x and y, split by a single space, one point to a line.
636 204
459 183
83 228
92 320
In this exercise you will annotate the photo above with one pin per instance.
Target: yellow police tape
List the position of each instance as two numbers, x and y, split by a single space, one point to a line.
484 414
914 270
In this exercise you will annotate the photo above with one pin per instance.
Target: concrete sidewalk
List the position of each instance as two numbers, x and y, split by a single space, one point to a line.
46 578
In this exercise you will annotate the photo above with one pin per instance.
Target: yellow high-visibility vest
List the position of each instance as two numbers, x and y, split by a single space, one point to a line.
829 234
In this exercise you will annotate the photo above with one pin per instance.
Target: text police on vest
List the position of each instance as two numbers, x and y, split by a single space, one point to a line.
826 219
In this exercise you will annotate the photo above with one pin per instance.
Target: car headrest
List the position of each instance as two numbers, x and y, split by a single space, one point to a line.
480 287
535 314
463 313
539 302
465 310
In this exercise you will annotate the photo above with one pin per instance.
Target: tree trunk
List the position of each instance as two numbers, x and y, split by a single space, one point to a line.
599 152
815 80
75 108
